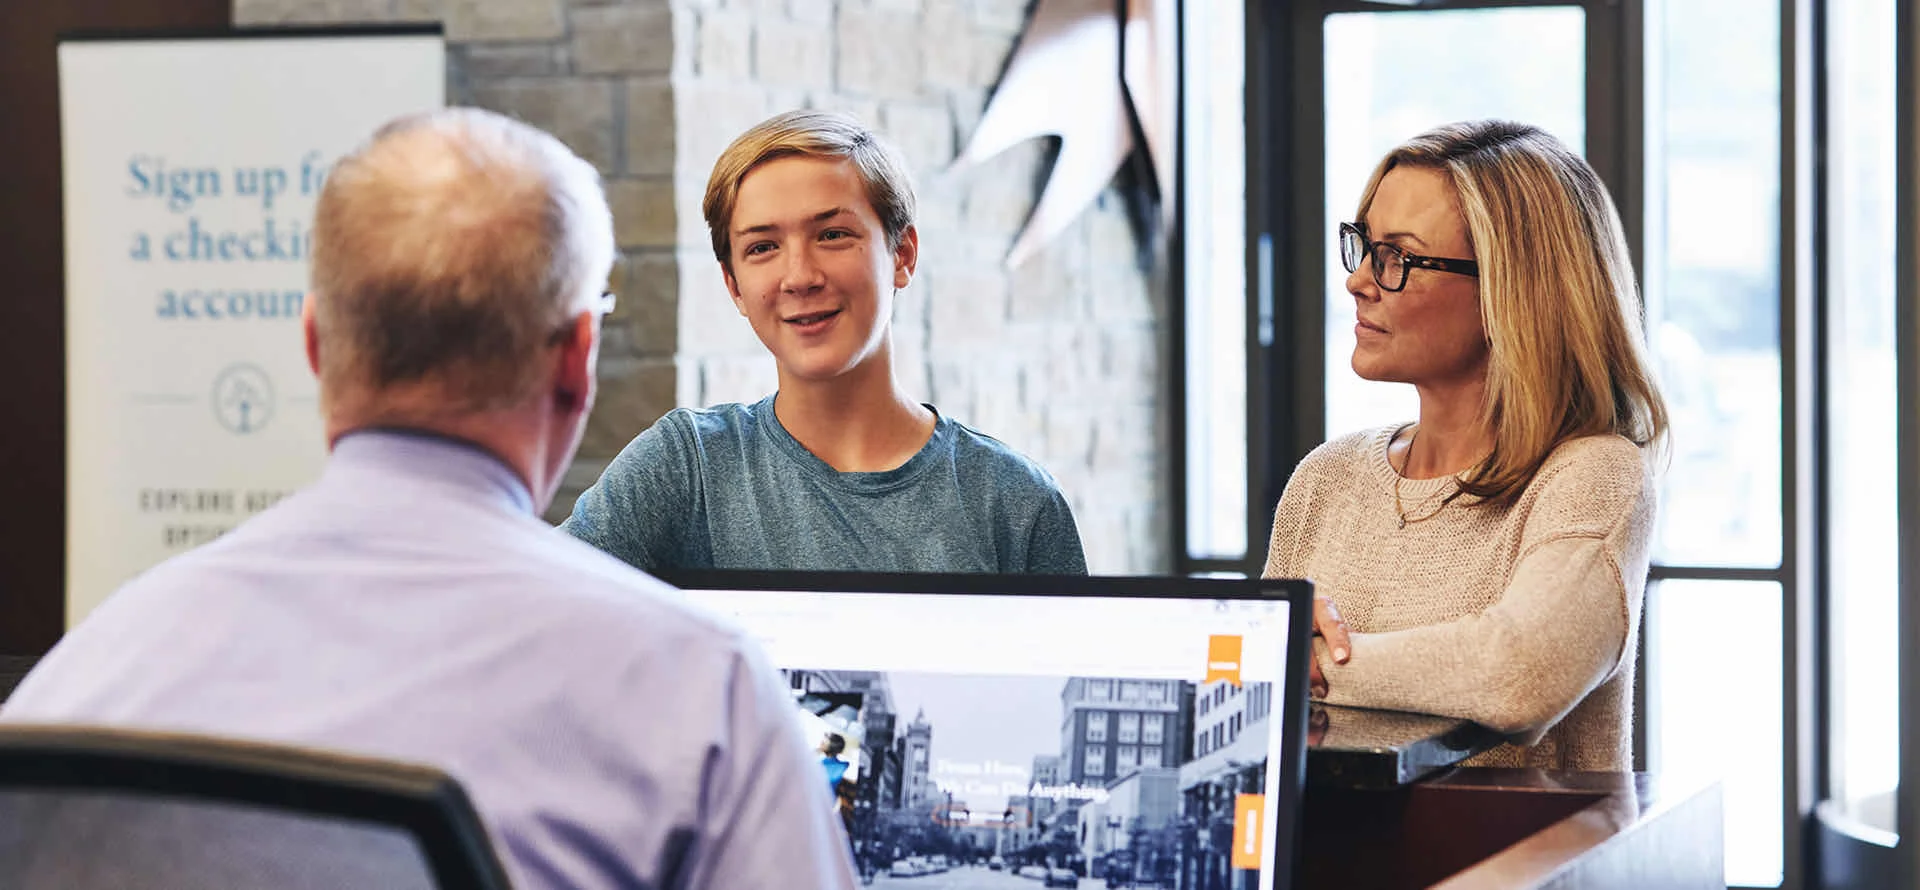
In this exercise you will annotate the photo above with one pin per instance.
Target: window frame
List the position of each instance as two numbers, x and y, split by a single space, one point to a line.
1285 319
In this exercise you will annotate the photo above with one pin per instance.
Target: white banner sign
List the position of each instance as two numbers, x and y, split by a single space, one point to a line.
191 167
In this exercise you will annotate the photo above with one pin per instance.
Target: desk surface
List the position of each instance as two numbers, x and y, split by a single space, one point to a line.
1360 748
1501 829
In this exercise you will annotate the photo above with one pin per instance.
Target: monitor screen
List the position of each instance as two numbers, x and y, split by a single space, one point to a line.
1080 732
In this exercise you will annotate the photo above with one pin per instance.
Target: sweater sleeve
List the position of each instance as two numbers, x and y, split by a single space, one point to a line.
1559 629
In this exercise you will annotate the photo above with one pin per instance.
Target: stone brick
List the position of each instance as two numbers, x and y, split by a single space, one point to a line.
815 11
737 379
1120 295
782 98
496 61
1103 533
649 306
1131 360
877 54
866 111
1000 415
708 116
726 45
910 322
622 40
1069 437
1007 16
923 132
947 57
419 10
951 385
942 207
649 130
1050 286
690 192
793 54
490 20
967 309
577 111
1122 434
710 323
288 12
643 212
633 393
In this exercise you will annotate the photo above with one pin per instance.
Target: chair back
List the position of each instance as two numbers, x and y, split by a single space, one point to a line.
93 807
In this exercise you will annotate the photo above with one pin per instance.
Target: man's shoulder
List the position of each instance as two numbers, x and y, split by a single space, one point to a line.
596 587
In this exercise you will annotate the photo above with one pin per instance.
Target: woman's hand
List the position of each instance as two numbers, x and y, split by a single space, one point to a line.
1328 626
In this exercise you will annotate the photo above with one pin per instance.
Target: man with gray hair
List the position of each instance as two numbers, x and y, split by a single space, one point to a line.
412 605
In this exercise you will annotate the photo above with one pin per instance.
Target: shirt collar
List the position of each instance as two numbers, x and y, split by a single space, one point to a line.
433 457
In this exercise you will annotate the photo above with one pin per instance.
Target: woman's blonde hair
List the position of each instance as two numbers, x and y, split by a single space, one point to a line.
1557 297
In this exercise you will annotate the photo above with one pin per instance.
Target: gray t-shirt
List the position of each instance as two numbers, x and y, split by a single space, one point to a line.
728 487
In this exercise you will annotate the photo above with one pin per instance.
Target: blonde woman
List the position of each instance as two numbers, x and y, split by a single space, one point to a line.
1488 560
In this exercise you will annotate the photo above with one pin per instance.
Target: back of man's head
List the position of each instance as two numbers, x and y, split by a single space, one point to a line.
449 253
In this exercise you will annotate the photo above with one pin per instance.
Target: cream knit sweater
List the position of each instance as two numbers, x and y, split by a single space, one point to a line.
1522 619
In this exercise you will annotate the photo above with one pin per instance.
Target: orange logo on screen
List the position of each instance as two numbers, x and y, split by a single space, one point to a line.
1248 810
1223 659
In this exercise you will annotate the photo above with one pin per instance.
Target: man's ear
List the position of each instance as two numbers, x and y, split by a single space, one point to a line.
733 289
573 377
311 333
906 257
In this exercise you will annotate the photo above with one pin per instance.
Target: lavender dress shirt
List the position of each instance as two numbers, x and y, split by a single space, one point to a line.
410 605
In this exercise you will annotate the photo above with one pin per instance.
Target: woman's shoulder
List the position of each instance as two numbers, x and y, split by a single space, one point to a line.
1603 457
1594 480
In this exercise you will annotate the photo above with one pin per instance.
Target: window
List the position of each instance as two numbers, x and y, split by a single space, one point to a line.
1130 690
1126 757
1204 704
1096 726
1151 733
1215 348
1156 693
1390 75
1219 735
1150 756
1863 569
1129 728
1100 690
1713 294
1096 760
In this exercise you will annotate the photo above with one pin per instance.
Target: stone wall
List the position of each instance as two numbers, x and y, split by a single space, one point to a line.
1063 358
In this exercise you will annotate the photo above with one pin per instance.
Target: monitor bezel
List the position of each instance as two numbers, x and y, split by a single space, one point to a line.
1290 708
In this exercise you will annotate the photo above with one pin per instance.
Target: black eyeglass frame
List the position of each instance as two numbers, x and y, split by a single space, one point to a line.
1408 261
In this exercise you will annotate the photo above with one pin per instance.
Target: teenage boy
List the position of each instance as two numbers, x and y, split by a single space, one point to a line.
811 217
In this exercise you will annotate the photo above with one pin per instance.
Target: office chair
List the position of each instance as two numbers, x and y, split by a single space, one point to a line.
86 807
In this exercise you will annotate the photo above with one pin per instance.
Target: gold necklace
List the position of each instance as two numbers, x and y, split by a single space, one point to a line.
1397 508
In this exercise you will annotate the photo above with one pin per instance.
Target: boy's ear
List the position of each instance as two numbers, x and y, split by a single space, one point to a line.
906 257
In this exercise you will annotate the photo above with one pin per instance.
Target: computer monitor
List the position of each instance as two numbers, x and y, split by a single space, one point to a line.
1065 729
